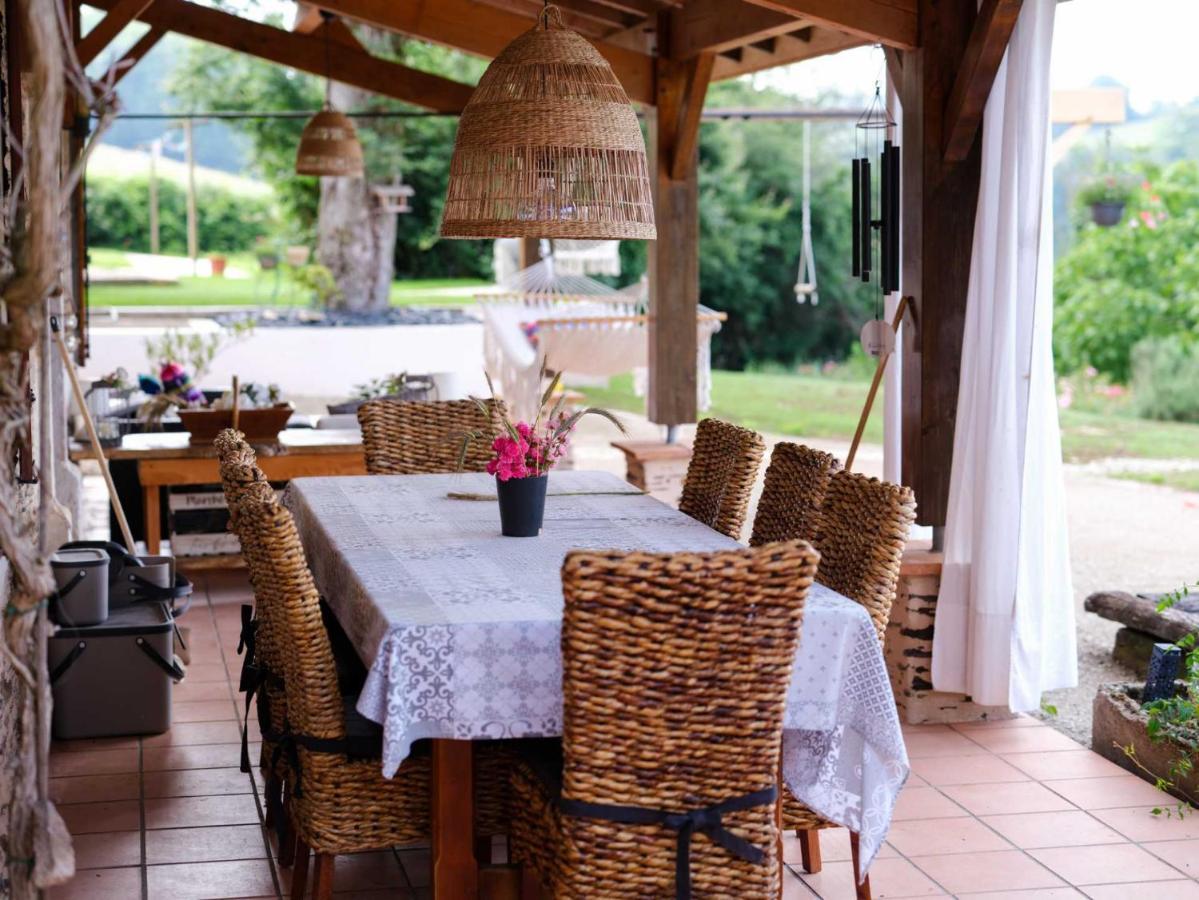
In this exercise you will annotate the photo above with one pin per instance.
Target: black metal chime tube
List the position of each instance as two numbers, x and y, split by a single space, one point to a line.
857 218
866 224
893 171
884 216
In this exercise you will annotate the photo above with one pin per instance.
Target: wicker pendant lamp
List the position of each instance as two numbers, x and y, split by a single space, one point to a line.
329 145
549 147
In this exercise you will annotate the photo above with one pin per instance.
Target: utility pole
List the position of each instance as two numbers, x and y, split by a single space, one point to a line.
193 249
155 152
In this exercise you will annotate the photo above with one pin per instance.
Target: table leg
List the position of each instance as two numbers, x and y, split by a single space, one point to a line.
153 521
455 872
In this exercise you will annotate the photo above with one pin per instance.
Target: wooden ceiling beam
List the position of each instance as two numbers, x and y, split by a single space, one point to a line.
787 49
119 15
717 25
972 86
308 18
133 55
304 52
889 22
483 30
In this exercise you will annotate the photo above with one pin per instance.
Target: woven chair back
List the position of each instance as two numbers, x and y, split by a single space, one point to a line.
314 705
240 474
796 481
675 673
861 532
720 476
403 437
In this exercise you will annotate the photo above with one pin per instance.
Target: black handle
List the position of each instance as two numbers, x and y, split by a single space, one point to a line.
69 586
68 661
171 668
116 552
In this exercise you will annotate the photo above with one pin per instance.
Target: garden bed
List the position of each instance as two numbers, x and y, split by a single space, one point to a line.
1120 722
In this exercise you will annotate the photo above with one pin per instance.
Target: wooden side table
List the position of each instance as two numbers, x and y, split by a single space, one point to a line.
656 467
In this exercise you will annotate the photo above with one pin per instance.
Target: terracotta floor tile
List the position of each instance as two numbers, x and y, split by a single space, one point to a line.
966 770
1024 740
1158 890
1052 829
207 672
1105 864
1060 893
187 812
180 845
200 756
198 881
94 788
1020 721
834 847
888 878
1182 855
1140 824
1107 793
940 744
197 783
107 849
188 691
1064 764
89 818
1018 797
794 888
418 867
93 762
204 711
924 729
183 734
106 743
100 884
367 872
933 837
925 803
1005 870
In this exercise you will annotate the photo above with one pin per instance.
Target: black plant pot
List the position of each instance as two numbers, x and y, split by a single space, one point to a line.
1107 214
522 505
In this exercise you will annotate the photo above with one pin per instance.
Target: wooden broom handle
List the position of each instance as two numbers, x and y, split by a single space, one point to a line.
91 433
878 379
236 401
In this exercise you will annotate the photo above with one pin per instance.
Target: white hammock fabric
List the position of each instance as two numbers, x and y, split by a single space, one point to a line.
575 325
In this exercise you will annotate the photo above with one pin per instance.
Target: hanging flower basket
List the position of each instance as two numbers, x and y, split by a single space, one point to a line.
1105 215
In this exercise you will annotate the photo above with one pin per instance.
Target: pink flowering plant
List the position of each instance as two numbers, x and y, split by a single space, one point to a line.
530 450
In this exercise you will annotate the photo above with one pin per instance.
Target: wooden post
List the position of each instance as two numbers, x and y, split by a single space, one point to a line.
193 239
155 150
939 200
530 252
674 258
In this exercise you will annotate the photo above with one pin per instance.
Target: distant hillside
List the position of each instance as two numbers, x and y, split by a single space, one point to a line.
107 160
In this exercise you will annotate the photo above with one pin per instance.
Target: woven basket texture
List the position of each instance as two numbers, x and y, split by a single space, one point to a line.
329 146
861 531
549 146
412 438
675 673
720 476
794 488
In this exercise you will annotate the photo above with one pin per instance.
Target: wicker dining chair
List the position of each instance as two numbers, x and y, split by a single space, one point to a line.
861 531
404 437
796 481
720 476
675 671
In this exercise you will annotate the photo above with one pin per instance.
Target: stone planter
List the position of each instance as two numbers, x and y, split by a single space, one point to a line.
1119 722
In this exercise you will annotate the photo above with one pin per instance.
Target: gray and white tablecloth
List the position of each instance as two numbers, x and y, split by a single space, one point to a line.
460 627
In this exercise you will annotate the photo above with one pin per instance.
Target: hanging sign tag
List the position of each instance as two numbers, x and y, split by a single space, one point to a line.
877 338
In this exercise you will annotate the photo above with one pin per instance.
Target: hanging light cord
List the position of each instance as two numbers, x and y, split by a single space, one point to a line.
328 17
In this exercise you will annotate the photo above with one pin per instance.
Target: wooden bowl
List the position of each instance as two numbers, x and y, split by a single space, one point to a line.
260 426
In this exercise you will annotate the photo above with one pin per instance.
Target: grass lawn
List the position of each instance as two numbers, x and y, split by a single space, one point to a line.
811 406
1183 481
257 291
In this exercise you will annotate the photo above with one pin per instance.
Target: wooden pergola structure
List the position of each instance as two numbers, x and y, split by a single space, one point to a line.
942 55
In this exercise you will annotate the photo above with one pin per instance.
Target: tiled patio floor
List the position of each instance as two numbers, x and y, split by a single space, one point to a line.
992 811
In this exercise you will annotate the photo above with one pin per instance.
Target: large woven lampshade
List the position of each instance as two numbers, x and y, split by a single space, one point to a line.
549 147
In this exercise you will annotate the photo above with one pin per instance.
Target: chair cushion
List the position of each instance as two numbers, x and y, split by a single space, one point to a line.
351 672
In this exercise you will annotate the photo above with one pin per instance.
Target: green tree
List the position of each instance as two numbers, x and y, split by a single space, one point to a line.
1118 286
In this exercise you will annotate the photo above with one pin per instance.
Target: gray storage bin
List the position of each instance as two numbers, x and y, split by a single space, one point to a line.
82 579
129 586
114 678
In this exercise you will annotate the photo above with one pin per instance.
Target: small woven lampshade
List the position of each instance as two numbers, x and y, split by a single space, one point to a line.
549 147
329 146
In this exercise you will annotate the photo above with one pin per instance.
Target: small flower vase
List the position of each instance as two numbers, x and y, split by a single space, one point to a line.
522 505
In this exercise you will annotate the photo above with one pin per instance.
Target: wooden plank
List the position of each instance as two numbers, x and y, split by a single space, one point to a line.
455 871
988 43
162 472
938 204
718 25
304 52
134 54
786 49
119 15
483 30
686 137
874 20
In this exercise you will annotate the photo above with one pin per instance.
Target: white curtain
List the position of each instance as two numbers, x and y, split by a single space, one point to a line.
1005 617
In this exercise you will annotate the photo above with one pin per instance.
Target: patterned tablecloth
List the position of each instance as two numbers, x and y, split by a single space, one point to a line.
460 627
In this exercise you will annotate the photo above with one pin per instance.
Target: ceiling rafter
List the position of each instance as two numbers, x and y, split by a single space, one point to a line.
972 86
720 25
890 22
786 49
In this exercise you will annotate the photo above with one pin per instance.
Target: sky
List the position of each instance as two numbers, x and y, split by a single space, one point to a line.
1147 45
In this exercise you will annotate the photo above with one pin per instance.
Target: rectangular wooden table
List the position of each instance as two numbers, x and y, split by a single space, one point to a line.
166 459
461 630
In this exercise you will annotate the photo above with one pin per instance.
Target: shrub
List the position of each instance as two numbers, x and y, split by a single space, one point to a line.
118 215
1165 379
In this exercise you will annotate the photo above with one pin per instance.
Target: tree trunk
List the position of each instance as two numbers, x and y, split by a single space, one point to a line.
355 237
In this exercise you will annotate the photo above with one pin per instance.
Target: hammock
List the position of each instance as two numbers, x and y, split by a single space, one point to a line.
573 324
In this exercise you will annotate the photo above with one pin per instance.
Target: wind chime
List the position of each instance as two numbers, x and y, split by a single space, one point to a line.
873 136
805 278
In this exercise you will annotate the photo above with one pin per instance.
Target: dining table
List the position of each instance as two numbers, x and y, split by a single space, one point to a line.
460 630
